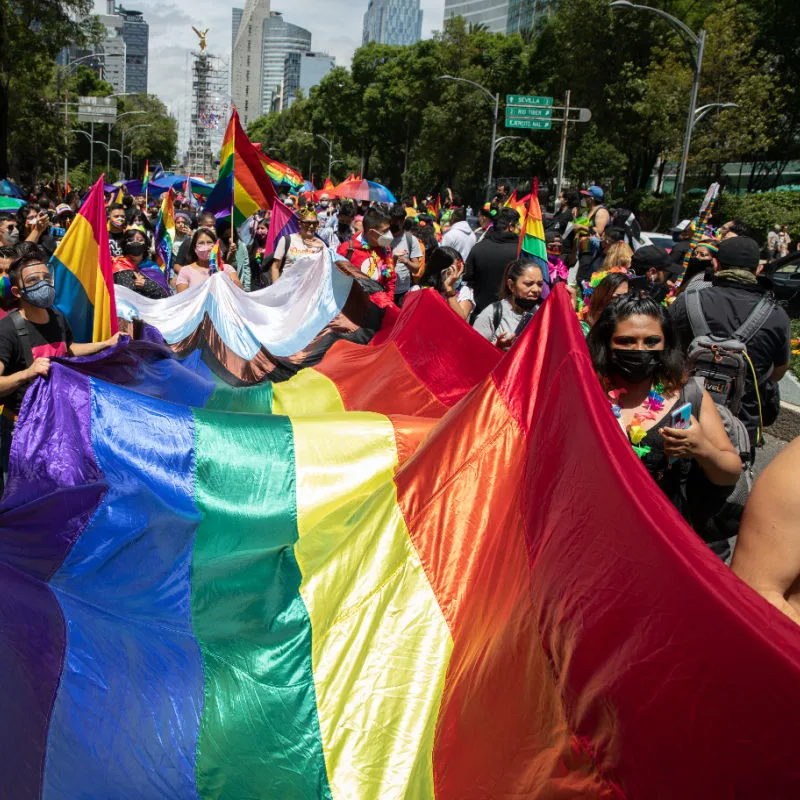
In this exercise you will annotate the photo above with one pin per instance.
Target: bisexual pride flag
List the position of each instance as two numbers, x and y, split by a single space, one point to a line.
82 271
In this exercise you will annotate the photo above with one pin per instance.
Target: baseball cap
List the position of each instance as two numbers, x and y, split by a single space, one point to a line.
740 252
593 191
651 257
63 208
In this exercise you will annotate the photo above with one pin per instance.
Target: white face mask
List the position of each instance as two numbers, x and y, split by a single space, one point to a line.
385 239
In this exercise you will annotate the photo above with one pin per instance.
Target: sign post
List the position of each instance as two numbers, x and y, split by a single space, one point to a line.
535 113
96 109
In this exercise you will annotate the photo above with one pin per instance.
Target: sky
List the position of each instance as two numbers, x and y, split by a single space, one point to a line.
335 27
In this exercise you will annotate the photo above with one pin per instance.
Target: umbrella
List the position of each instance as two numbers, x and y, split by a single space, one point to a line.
11 204
10 189
364 190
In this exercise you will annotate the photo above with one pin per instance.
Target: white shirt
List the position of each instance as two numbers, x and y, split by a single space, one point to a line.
461 238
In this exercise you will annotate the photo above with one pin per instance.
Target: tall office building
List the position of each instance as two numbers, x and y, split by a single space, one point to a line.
302 72
246 58
392 22
112 46
491 13
524 14
280 39
236 19
136 34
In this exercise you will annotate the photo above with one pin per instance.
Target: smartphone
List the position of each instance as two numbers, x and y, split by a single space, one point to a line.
682 417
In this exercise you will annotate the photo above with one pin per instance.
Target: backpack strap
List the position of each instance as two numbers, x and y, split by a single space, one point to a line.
693 392
287 240
24 335
756 320
694 309
497 315
350 248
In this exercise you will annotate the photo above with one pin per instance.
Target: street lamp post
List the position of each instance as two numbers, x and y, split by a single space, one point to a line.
66 67
110 126
698 44
330 148
703 110
122 147
493 98
504 139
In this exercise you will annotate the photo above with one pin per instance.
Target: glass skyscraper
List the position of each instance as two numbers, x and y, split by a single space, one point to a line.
392 22
523 14
280 39
491 13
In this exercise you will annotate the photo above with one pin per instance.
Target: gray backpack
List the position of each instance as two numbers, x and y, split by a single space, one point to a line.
722 361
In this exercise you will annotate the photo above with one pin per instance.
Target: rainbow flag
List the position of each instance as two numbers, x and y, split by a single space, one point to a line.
243 187
531 240
215 259
281 173
164 236
81 267
201 599
146 178
512 200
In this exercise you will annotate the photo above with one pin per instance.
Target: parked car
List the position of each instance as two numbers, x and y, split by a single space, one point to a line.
786 285
658 239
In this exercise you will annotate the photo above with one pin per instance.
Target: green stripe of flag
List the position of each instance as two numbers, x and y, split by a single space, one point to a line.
259 733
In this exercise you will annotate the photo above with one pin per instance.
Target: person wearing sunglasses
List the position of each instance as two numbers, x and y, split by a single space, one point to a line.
295 246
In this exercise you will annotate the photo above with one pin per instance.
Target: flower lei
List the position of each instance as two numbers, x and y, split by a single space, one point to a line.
650 408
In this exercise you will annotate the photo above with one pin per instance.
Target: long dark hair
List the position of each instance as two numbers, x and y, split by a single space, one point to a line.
441 259
671 373
191 256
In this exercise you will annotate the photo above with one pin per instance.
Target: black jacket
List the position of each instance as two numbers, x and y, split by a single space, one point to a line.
486 263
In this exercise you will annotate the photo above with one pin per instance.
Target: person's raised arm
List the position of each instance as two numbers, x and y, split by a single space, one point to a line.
767 553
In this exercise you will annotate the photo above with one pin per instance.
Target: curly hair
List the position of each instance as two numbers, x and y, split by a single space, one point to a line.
671 373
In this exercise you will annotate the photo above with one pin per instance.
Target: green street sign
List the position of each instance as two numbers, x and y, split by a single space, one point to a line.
529 111
528 100
531 124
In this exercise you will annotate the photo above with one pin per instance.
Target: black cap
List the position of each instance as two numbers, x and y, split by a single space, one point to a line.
739 252
651 257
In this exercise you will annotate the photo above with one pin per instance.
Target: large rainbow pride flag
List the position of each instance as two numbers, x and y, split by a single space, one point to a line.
243 187
202 602
82 271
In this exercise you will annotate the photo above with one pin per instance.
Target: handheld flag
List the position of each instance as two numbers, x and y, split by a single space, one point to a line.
189 195
146 178
282 222
165 233
215 259
158 173
531 240
280 173
243 186
82 271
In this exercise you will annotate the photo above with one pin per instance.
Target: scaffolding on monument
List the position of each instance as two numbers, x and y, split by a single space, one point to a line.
210 109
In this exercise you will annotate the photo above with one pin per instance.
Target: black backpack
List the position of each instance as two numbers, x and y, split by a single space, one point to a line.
722 362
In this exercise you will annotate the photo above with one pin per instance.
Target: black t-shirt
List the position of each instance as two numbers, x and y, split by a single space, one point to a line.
726 305
486 264
54 338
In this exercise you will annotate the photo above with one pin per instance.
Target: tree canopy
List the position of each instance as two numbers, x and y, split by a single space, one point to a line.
392 116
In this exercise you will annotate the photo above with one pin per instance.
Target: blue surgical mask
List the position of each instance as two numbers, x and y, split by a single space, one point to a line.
41 294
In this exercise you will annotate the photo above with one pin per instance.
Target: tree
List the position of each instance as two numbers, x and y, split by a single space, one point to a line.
30 31
158 142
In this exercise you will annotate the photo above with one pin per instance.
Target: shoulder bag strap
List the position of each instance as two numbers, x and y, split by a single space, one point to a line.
756 320
694 309
287 240
24 335
497 315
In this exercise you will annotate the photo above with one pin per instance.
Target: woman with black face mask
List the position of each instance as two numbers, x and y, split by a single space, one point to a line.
637 357
135 271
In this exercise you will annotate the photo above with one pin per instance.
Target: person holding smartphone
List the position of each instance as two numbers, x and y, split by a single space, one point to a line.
444 272
672 424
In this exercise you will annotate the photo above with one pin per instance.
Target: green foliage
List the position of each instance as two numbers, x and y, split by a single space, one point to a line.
761 212
30 122
158 142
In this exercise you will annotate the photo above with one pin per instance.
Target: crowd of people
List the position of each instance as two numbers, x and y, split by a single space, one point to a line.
650 315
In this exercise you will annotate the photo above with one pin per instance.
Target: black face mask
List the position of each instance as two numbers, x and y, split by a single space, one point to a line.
135 249
527 303
636 366
396 229
701 265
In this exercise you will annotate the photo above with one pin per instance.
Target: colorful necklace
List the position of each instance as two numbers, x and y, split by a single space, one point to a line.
649 411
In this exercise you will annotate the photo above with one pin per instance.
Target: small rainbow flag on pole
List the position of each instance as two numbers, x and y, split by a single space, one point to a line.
165 233
215 259
82 271
531 240
146 178
243 186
